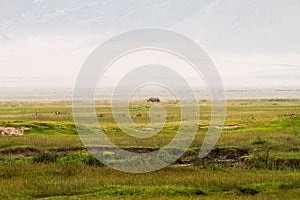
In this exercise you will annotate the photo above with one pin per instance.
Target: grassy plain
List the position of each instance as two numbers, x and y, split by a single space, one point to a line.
256 157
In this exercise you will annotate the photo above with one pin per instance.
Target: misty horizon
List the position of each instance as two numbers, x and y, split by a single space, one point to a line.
43 44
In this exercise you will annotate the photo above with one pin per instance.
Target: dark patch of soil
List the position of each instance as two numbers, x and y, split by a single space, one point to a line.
227 154
32 151
20 151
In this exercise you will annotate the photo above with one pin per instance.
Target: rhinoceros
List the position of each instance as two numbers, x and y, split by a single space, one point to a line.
153 99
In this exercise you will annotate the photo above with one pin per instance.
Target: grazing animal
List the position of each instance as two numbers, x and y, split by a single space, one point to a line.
290 115
37 113
153 99
57 112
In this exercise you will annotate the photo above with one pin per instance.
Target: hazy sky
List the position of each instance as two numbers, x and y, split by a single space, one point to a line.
43 43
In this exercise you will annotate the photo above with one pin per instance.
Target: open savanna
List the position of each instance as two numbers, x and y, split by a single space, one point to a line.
256 157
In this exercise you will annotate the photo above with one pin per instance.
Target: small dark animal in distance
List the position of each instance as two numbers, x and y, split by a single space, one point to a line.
57 112
153 99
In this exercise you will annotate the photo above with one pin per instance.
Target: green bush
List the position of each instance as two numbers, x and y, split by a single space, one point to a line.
248 190
45 158
92 161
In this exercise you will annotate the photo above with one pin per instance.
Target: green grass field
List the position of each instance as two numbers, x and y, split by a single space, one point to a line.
256 157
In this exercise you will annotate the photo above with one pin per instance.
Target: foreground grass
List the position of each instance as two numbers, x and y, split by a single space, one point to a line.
50 161
78 181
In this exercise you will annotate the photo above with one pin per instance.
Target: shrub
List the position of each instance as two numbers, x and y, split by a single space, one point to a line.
45 158
248 190
92 161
